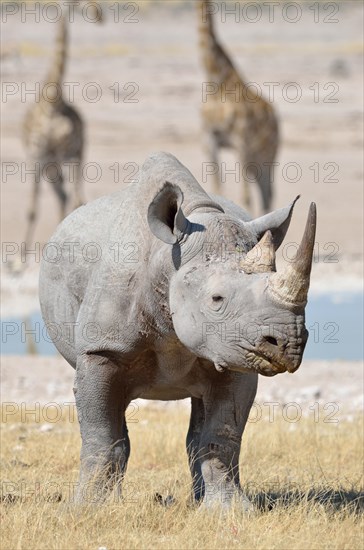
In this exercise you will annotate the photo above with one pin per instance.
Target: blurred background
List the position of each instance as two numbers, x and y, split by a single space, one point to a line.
137 81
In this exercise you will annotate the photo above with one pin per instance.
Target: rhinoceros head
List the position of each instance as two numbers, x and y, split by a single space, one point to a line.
228 303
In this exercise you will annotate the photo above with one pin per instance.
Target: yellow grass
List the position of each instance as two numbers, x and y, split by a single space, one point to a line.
305 479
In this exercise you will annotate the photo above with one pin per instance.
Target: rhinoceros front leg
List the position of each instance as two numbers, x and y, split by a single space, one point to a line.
101 404
227 405
193 443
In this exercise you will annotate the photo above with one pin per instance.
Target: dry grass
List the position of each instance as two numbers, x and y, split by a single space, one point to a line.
304 480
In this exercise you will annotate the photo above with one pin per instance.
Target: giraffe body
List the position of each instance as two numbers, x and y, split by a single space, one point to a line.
53 134
235 116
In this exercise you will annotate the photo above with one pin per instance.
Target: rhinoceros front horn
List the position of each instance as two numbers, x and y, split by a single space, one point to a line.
290 286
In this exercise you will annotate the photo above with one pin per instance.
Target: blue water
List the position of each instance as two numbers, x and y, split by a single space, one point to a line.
335 324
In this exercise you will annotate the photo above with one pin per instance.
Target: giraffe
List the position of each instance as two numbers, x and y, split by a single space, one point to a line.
236 117
53 133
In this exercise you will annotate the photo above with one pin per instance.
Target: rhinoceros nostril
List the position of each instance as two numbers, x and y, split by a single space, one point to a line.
271 340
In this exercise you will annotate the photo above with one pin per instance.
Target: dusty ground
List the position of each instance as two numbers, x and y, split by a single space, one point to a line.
157 58
325 386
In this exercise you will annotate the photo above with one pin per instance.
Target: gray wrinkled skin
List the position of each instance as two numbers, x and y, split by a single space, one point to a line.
166 312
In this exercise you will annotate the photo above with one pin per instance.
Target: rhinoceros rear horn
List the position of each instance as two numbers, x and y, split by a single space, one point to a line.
261 258
290 287
165 217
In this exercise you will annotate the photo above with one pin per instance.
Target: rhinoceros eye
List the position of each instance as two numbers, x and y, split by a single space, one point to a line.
217 298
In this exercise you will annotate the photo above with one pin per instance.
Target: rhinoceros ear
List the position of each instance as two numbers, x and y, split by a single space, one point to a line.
165 217
276 222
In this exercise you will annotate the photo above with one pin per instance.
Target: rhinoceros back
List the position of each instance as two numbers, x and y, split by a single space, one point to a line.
86 243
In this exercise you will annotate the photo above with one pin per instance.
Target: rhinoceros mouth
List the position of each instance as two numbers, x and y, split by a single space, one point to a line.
257 361
263 364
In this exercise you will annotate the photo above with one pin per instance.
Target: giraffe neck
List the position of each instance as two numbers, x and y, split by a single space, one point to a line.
52 86
217 63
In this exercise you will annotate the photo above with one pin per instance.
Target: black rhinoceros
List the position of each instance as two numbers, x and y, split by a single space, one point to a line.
172 293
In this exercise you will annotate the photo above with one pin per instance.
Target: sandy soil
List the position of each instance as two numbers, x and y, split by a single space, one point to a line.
334 387
157 58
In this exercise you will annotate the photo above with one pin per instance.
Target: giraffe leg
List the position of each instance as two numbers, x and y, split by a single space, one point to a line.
213 168
33 209
245 196
78 199
56 179
265 181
